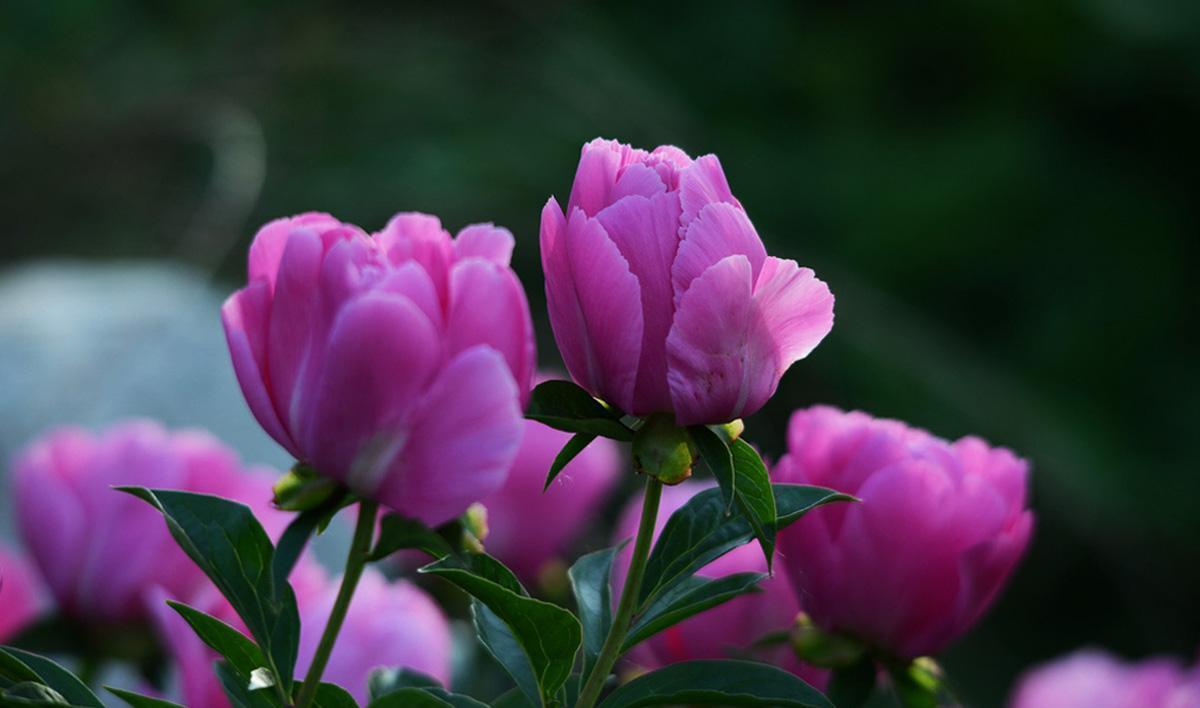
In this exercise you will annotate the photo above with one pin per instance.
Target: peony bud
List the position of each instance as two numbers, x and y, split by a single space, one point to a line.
728 630
528 527
100 551
1095 679
395 363
21 599
661 294
938 531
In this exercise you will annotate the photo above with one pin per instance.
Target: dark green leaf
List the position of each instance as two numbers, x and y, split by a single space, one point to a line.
850 687
690 597
716 455
455 699
243 654
565 406
301 529
333 696
398 532
754 496
499 641
48 672
700 532
225 540
30 693
237 689
512 699
13 670
726 683
137 700
410 698
548 634
384 681
574 446
593 597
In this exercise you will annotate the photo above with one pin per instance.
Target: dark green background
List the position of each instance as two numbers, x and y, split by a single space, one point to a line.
1002 195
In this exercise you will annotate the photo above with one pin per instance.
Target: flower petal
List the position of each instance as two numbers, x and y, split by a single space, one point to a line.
419 237
491 243
702 183
797 309
462 440
267 248
720 230
596 175
382 352
244 316
292 326
488 306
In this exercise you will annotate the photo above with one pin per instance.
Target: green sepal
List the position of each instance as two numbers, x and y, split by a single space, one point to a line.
564 406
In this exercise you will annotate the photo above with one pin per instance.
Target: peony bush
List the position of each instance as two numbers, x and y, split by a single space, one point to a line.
397 369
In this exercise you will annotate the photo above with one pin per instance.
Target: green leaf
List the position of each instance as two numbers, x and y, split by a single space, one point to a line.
565 406
918 684
13 670
410 698
225 540
716 455
385 680
726 683
754 496
512 699
243 654
398 532
457 700
137 700
690 597
700 532
331 695
590 583
237 689
300 530
547 634
51 674
30 693
850 687
499 641
574 446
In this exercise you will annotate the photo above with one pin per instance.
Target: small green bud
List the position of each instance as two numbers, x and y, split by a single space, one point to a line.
662 449
824 649
301 489
731 431
475 528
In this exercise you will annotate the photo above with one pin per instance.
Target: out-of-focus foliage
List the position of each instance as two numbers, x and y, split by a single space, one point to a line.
1002 196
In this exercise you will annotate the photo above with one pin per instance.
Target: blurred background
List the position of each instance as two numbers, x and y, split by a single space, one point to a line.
1002 195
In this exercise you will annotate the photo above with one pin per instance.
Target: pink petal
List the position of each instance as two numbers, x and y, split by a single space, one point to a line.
721 366
410 280
637 180
491 243
267 248
382 352
720 230
419 237
797 309
700 184
596 176
463 438
291 329
488 306
245 315
646 233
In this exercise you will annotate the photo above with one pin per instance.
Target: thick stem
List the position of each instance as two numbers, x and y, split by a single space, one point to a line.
611 650
356 560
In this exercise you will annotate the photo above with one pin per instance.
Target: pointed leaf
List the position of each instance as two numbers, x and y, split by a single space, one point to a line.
398 532
499 641
574 446
243 654
565 406
590 583
237 689
30 693
691 597
225 540
726 683
331 695
137 700
410 698
754 496
716 455
56 677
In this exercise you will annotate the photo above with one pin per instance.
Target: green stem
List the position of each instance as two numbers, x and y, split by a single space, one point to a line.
611 650
356 560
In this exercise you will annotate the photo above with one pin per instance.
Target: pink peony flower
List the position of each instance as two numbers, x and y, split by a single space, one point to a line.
98 550
527 527
21 598
661 294
396 363
388 625
940 528
1095 679
727 630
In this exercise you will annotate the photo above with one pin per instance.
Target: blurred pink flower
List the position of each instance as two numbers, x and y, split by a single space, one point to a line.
527 527
21 594
727 630
396 363
1095 679
661 294
938 531
99 550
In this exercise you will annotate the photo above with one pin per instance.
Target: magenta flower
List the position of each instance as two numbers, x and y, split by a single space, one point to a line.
21 595
78 529
396 363
938 531
526 527
727 630
661 294
388 625
1096 679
